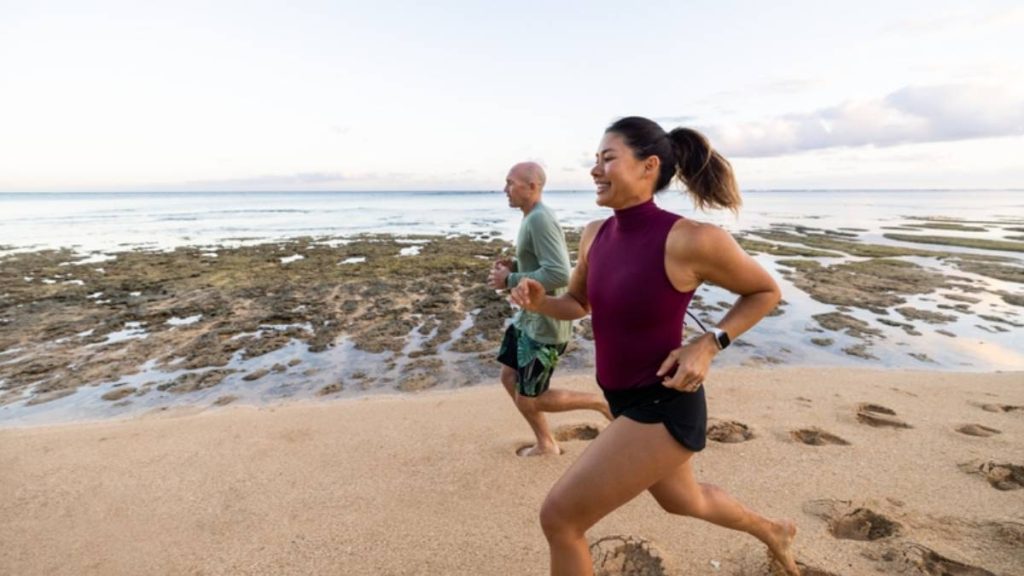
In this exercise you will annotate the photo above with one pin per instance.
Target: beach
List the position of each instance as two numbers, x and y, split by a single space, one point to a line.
235 397
259 261
430 484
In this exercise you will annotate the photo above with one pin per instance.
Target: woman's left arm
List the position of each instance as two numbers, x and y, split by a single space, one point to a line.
698 253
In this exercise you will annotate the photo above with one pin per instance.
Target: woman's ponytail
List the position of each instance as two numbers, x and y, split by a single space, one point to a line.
707 175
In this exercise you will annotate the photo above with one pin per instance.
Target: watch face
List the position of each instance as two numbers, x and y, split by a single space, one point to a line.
722 338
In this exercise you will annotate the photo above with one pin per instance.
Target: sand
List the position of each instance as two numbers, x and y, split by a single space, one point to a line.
429 483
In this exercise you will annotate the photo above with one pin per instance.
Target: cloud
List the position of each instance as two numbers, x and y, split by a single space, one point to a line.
911 115
669 122
957 20
282 181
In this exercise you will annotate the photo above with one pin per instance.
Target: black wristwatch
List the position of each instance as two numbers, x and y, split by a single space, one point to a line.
721 338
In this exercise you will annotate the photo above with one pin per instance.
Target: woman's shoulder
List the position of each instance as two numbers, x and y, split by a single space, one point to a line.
591 229
692 235
587 236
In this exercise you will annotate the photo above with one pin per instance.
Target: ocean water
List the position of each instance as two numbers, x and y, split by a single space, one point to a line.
102 222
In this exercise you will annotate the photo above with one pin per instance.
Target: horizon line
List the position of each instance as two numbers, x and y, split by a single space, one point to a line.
490 191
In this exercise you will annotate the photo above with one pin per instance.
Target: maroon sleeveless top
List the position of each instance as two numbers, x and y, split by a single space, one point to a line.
636 312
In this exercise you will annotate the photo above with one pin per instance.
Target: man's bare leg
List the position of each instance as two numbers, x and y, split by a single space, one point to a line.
559 400
508 380
535 418
564 400
546 443
556 401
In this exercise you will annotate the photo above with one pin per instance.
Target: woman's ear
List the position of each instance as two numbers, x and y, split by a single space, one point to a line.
652 164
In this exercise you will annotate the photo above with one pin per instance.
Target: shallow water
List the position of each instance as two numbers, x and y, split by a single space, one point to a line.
95 225
105 222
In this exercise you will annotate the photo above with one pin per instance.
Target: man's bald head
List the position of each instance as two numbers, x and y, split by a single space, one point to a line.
531 173
524 184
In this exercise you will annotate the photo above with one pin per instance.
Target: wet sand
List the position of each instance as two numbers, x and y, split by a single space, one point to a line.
892 472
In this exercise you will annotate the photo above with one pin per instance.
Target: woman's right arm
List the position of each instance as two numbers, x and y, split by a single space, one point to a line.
573 305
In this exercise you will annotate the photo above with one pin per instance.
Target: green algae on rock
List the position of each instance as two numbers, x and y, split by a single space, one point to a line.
839 322
982 243
876 284
187 310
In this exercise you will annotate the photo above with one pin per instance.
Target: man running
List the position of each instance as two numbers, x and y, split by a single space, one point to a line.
533 342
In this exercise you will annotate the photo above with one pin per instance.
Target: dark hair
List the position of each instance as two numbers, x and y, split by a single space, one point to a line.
684 153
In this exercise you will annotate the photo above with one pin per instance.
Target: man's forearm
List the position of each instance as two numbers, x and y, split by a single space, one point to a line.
551 278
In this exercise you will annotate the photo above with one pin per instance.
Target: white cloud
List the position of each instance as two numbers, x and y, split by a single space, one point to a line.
668 122
269 182
914 114
968 18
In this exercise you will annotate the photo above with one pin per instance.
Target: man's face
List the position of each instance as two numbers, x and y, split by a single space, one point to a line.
517 189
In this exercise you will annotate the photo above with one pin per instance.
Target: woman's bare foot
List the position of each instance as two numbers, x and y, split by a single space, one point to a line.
780 542
539 450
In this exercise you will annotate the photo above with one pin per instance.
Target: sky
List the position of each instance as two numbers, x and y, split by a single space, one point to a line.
446 95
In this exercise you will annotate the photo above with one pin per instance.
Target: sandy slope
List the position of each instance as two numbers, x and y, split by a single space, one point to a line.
429 483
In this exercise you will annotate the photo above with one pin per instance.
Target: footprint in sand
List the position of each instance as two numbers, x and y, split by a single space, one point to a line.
817 437
879 416
977 430
565 433
576 432
775 569
1000 476
296 435
847 522
1001 408
626 556
1011 533
863 524
913 558
529 451
806 570
729 432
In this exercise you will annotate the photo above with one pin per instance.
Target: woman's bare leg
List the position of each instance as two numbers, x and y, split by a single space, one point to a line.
680 493
626 459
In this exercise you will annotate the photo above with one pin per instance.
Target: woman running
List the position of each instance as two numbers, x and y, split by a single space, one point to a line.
636 274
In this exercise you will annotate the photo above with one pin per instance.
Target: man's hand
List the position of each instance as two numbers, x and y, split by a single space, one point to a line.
499 276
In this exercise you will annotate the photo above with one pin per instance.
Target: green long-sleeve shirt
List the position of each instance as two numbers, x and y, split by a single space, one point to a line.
541 254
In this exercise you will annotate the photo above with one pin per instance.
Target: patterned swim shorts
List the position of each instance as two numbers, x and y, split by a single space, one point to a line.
533 361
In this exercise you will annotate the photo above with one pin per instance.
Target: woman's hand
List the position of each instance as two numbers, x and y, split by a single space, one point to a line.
528 294
692 362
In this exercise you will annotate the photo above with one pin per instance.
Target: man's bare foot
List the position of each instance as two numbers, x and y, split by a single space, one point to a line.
539 450
780 542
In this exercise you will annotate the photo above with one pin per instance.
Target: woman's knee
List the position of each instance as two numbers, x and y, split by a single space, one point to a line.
557 519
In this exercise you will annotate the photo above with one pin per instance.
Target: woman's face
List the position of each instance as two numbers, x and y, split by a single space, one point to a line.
622 180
